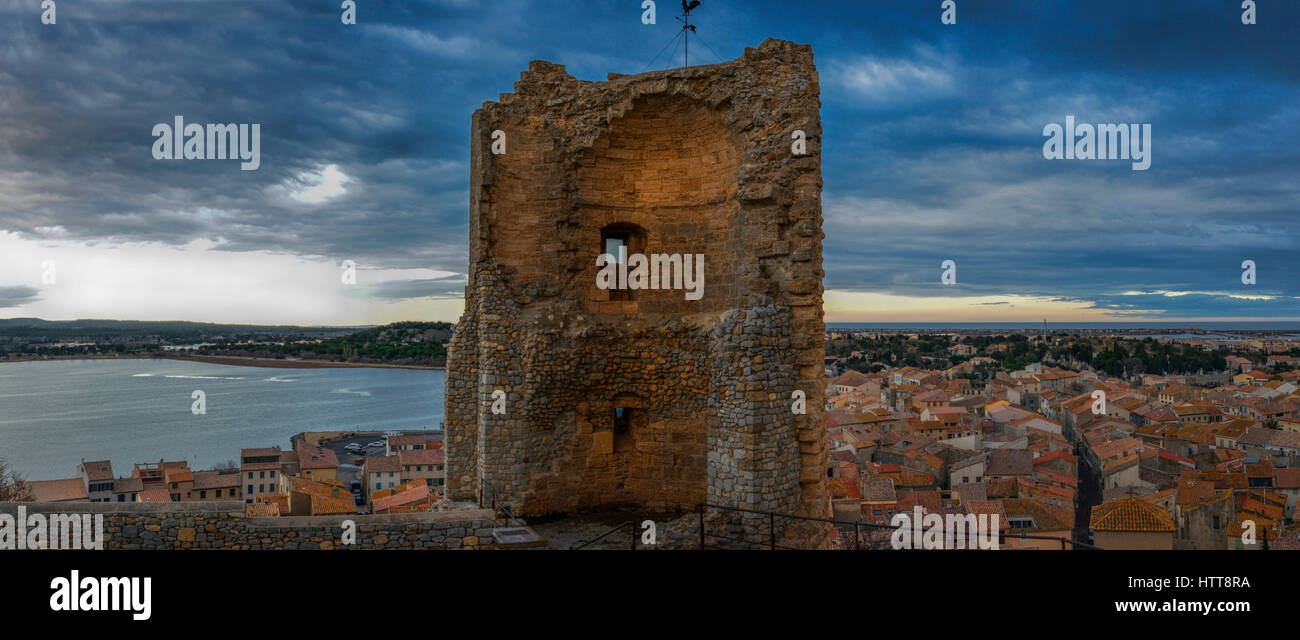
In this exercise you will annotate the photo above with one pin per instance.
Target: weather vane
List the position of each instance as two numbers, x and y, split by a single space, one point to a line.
687 27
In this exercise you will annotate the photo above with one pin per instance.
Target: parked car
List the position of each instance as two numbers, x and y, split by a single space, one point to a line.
377 443
352 447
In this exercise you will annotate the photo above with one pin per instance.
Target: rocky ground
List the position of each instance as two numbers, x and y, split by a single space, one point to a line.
571 531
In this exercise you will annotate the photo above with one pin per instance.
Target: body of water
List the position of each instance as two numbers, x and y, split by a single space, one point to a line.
1271 325
54 413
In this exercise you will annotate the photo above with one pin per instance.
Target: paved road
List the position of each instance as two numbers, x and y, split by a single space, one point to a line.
347 456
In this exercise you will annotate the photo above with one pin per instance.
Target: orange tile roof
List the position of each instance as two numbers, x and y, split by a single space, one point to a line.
382 464
1285 478
177 474
1003 487
1193 491
929 501
98 470
1058 478
1221 479
989 507
394 441
849 474
838 490
878 490
329 505
259 452
260 509
57 490
421 456
1048 457
403 494
1046 518
215 480
316 458
911 479
277 501
154 495
316 488
1163 453
1131 514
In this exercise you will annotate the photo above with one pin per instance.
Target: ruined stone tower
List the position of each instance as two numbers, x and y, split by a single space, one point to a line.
644 398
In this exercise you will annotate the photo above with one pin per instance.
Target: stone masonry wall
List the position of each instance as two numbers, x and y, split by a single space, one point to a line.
222 525
695 160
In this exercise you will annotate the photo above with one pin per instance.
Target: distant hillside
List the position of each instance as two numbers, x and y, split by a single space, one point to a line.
168 332
400 343
407 343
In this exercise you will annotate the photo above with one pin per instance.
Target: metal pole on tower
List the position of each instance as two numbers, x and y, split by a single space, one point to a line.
687 27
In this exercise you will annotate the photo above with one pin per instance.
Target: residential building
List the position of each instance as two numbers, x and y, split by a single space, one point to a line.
1131 523
423 464
259 471
98 477
211 486
317 463
127 489
380 472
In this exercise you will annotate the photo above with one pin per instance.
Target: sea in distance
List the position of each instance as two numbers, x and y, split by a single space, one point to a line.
1291 328
53 413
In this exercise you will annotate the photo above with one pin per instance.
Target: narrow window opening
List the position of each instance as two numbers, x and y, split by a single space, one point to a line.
623 437
616 248
618 242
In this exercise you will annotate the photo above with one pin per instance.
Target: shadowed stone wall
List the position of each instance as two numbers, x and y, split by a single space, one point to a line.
222 525
693 161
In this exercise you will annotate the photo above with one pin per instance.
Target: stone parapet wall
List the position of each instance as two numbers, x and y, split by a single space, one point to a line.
222 525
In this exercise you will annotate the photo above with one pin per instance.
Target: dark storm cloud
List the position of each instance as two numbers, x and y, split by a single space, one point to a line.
86 93
933 139
450 287
931 148
17 296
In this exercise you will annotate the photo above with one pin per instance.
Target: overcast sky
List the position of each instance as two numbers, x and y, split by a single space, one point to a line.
932 151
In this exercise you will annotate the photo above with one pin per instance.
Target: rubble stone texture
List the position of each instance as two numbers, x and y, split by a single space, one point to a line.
222 525
693 160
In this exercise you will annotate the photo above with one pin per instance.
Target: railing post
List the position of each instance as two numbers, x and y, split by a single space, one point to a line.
771 527
701 525
857 537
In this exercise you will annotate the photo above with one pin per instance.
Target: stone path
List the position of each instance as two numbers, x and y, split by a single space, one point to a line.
571 531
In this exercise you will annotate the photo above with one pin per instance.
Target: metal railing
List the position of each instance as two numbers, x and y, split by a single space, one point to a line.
855 542
630 525
493 498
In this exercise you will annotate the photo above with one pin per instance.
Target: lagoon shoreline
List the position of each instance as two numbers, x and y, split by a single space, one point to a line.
246 361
